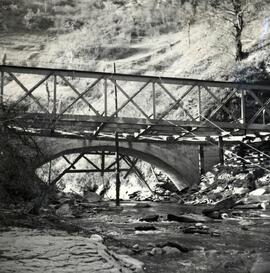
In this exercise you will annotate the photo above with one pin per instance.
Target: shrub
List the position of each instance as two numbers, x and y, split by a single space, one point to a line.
17 180
37 20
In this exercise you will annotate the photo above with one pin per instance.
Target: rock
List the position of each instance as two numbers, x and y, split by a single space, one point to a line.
92 197
156 251
136 247
227 203
130 263
60 195
213 214
257 192
142 205
261 267
97 238
250 181
215 211
64 200
60 252
255 199
145 228
215 233
174 245
224 215
167 193
249 206
150 245
64 210
150 218
170 250
134 194
240 190
188 218
193 229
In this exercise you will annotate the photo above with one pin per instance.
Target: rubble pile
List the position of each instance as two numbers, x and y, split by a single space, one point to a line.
246 187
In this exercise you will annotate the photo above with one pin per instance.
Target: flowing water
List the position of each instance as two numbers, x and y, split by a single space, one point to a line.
232 244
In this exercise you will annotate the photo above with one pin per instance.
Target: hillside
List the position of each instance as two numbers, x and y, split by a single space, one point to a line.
165 38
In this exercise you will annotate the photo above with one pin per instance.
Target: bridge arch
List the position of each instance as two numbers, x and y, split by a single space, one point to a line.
144 156
179 161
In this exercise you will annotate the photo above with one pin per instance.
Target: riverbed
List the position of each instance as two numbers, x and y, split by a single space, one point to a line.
235 244
232 245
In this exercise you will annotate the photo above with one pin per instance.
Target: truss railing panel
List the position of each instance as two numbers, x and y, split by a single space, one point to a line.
146 106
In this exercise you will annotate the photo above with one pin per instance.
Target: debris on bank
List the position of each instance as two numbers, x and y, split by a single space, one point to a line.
228 187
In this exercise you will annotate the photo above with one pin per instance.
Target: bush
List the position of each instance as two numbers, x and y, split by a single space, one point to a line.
18 181
37 20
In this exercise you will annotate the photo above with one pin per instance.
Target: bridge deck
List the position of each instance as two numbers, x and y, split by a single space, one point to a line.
156 125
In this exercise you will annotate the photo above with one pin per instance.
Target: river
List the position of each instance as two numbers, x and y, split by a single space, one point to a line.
232 245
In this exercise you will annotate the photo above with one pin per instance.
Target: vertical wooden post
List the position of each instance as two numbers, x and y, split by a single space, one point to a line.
189 24
54 93
243 107
242 154
117 175
199 104
260 160
106 97
50 173
263 114
118 183
115 92
221 150
201 160
102 163
154 101
2 90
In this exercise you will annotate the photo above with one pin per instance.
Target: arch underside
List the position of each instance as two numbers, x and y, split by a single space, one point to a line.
179 162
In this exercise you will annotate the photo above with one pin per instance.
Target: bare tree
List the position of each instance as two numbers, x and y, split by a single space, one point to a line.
233 11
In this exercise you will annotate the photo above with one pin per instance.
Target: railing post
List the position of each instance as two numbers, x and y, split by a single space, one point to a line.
221 150
199 104
115 92
243 107
102 163
54 94
117 175
241 154
2 89
106 97
154 101
201 160
118 182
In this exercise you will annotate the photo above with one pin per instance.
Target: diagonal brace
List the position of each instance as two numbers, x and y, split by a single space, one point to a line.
27 91
30 91
130 99
80 95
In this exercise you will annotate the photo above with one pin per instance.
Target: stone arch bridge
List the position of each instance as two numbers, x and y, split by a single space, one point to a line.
180 161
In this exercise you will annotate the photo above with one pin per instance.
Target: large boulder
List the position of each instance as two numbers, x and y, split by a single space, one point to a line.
261 267
92 197
258 192
64 210
150 218
256 199
188 218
